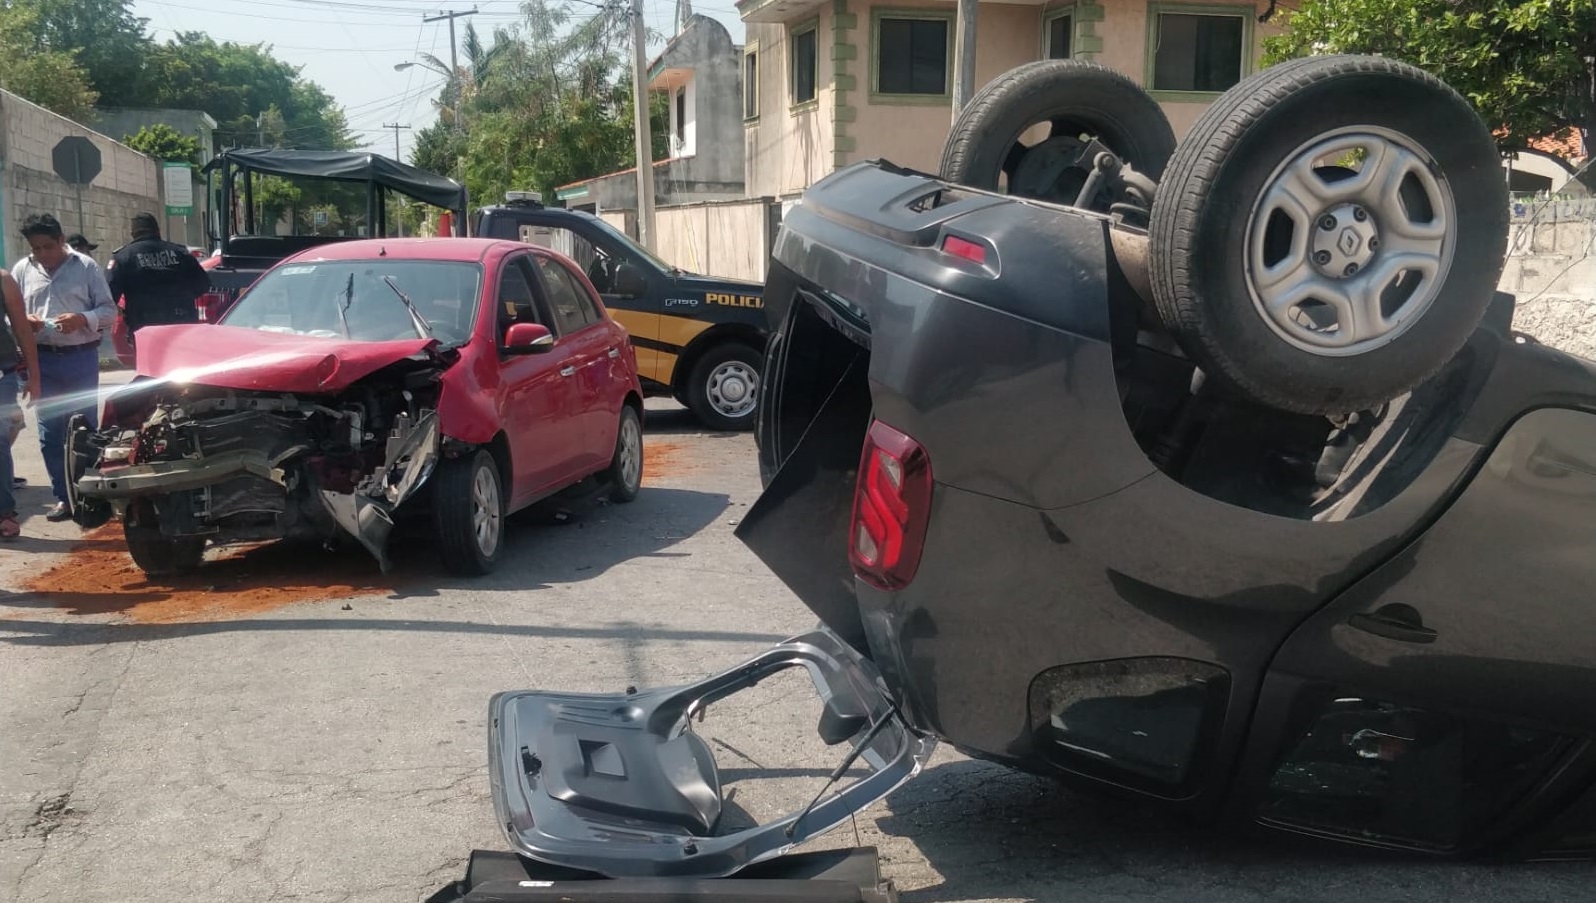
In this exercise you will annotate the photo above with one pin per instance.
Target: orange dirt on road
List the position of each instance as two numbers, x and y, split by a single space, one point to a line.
98 577
663 459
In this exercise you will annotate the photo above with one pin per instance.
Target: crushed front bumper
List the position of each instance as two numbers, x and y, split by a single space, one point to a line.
617 784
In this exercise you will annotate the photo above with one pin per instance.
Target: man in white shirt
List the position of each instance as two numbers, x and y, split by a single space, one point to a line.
69 306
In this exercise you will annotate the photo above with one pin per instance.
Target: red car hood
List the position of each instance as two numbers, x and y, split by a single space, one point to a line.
234 357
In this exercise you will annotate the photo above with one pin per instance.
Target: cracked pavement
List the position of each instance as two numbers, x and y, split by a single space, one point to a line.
326 753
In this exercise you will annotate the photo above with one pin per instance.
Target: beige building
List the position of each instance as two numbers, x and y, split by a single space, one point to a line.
831 82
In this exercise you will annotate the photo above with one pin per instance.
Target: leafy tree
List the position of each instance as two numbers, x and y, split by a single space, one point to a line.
548 104
1522 63
235 84
49 77
109 42
163 142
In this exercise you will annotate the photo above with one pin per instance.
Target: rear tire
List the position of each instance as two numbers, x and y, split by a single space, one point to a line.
1076 97
625 476
468 513
1297 281
158 555
724 385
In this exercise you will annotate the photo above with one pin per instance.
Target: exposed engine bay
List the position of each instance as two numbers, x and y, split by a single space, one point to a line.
184 465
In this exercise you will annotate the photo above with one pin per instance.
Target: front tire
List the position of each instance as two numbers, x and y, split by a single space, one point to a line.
468 513
158 555
724 385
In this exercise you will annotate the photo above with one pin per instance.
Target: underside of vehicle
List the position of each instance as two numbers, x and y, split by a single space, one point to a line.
1211 474
185 464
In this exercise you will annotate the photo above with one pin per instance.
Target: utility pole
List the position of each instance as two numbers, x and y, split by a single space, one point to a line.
396 127
402 205
964 58
645 140
454 71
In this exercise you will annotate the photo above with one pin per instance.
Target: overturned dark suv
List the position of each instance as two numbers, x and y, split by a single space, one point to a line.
1210 473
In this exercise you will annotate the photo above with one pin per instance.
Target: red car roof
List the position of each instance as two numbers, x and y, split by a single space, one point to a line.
460 249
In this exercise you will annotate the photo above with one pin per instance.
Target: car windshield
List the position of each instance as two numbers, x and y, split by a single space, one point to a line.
307 298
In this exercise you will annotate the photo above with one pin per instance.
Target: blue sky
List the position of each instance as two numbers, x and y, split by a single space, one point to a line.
350 47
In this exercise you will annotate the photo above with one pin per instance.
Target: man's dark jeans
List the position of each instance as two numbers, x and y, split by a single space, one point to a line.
69 383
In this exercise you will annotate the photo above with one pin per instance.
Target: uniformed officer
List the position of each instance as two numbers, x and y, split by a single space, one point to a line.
159 280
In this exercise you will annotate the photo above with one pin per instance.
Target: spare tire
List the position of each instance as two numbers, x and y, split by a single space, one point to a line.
1074 98
1329 233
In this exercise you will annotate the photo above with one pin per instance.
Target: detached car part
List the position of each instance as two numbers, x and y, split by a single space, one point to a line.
618 784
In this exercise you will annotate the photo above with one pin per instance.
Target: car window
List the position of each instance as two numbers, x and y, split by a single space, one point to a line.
516 303
596 262
573 308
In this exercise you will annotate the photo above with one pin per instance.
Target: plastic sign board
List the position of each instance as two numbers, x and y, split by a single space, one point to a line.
179 181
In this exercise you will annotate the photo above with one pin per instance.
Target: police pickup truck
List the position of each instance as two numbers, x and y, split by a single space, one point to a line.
698 339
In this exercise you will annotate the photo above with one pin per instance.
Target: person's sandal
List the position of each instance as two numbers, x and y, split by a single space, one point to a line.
9 528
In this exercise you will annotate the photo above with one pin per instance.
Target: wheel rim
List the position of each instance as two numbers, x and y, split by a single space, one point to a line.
1350 241
485 514
732 388
631 441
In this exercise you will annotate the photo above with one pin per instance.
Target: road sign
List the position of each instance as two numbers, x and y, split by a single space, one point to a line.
76 160
318 218
179 181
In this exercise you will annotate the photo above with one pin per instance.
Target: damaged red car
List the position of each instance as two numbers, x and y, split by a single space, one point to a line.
359 384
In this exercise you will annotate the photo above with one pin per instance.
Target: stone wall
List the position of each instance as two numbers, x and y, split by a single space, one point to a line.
1551 268
128 182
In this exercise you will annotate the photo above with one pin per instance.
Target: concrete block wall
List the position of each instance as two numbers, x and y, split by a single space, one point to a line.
1551 268
128 181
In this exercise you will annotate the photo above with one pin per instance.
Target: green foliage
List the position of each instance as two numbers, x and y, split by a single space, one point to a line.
1520 62
547 104
106 39
36 71
163 142
235 84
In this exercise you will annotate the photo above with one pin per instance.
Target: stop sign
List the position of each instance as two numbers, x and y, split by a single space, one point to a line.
76 160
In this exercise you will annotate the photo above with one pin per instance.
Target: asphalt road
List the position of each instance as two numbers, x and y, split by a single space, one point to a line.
333 750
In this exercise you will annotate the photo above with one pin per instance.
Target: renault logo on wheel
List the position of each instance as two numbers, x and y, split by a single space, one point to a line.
1349 241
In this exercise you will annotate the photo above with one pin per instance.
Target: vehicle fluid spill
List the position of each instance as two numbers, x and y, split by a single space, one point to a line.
664 459
97 577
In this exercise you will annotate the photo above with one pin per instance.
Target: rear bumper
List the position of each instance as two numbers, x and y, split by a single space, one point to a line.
615 783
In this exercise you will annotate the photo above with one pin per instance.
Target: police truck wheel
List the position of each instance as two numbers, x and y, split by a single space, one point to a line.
724 385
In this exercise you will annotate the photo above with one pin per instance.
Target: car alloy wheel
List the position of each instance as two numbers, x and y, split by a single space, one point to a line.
732 388
1340 261
630 454
487 519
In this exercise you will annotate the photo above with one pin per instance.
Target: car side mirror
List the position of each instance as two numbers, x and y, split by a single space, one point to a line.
629 281
528 338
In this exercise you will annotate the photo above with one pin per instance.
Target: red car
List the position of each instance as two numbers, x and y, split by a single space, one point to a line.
361 383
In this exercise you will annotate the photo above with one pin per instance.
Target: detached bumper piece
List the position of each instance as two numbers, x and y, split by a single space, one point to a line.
616 784
827 876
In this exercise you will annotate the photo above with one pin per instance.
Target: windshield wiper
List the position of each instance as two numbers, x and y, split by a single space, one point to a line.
423 328
349 298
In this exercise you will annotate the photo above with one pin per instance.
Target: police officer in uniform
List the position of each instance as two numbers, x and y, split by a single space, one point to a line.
159 280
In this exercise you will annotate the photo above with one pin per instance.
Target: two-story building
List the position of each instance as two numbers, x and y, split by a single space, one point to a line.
831 82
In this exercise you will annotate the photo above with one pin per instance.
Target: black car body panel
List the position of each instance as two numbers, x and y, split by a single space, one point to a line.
671 315
1397 654
618 784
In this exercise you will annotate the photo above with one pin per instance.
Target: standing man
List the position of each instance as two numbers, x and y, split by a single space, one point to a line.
17 356
68 306
157 280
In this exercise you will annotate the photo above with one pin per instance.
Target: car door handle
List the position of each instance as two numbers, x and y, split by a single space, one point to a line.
615 352
1394 622
567 371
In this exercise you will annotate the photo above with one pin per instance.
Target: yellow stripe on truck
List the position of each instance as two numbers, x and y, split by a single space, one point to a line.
679 331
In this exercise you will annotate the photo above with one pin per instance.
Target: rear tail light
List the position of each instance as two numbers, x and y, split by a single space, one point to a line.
891 506
207 305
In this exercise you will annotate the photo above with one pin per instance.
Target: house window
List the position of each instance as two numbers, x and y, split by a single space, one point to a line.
1057 32
912 54
681 117
751 85
1202 52
804 48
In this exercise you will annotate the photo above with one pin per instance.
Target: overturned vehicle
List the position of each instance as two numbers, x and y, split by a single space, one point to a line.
358 384
1211 474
